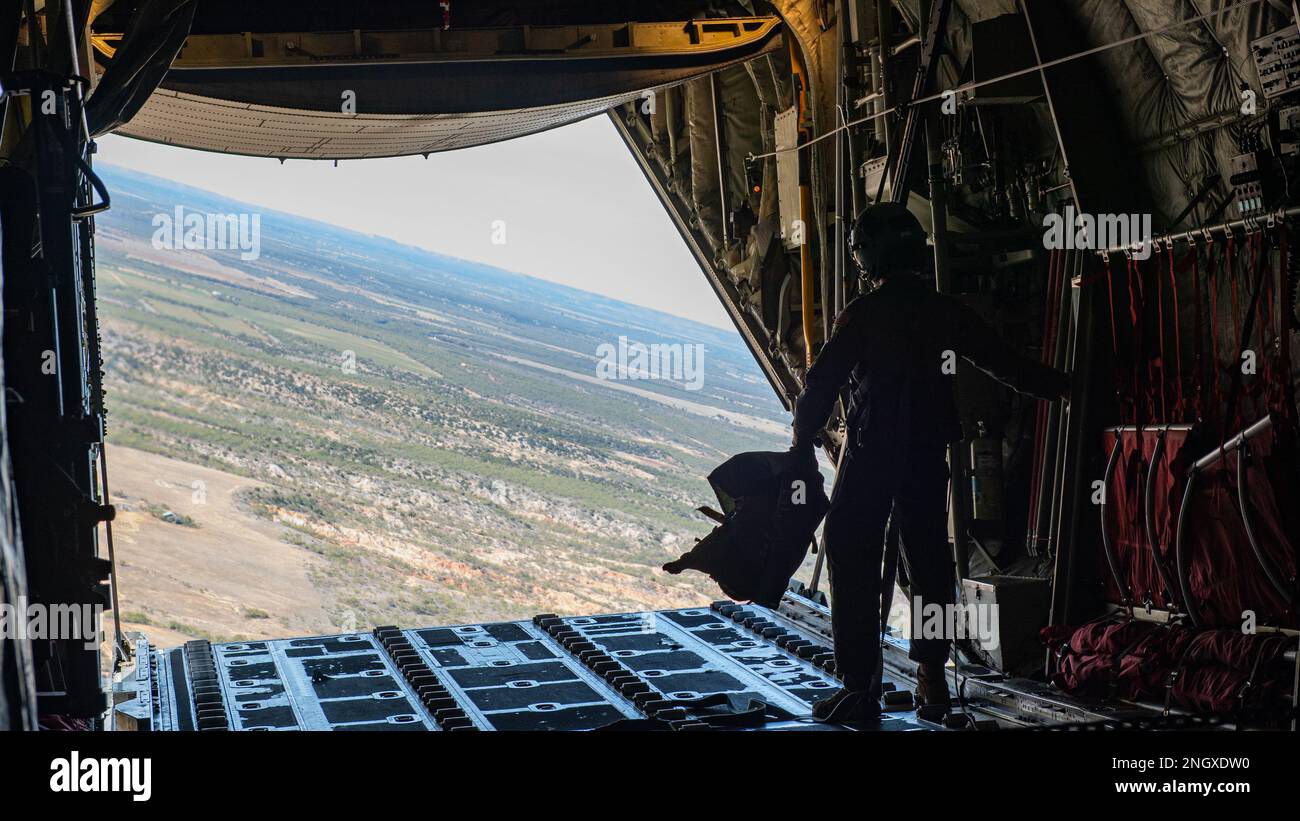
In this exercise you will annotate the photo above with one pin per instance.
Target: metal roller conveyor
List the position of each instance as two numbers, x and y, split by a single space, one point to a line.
725 666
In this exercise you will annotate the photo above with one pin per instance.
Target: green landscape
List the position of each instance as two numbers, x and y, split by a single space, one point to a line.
422 439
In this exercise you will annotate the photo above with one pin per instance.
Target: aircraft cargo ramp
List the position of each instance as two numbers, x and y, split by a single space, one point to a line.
728 666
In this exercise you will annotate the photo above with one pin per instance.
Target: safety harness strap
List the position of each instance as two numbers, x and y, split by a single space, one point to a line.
1180 406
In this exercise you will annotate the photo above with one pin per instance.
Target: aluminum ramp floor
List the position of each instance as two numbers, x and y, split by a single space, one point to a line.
664 669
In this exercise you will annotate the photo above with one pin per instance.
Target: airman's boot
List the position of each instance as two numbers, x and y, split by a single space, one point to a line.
932 685
847 707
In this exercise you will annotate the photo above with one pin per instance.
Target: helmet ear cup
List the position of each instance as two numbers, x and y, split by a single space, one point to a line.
866 258
886 237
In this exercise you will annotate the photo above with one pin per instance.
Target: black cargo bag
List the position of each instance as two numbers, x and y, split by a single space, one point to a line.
770 509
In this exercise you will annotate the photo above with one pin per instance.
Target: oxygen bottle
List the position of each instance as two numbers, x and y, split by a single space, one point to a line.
986 476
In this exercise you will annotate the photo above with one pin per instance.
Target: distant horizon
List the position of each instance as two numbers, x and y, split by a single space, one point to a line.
569 205
116 168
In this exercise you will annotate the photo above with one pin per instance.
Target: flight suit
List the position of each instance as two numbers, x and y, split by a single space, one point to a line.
895 343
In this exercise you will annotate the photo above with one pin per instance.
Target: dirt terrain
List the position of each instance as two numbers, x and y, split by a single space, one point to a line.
228 576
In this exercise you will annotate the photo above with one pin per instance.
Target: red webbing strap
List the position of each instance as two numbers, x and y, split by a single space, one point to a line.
1180 406
1110 292
1264 318
1211 284
1233 415
1160 338
1230 411
1199 338
1114 339
1285 401
1136 308
1136 291
1134 345
1236 302
1256 278
1267 326
1271 296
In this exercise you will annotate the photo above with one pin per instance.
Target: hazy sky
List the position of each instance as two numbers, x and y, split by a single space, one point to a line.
575 206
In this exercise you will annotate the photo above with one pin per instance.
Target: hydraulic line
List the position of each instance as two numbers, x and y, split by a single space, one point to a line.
1204 463
835 297
1040 422
1148 515
121 647
1270 570
1065 461
806 279
1111 560
807 290
1180 556
720 155
1042 439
